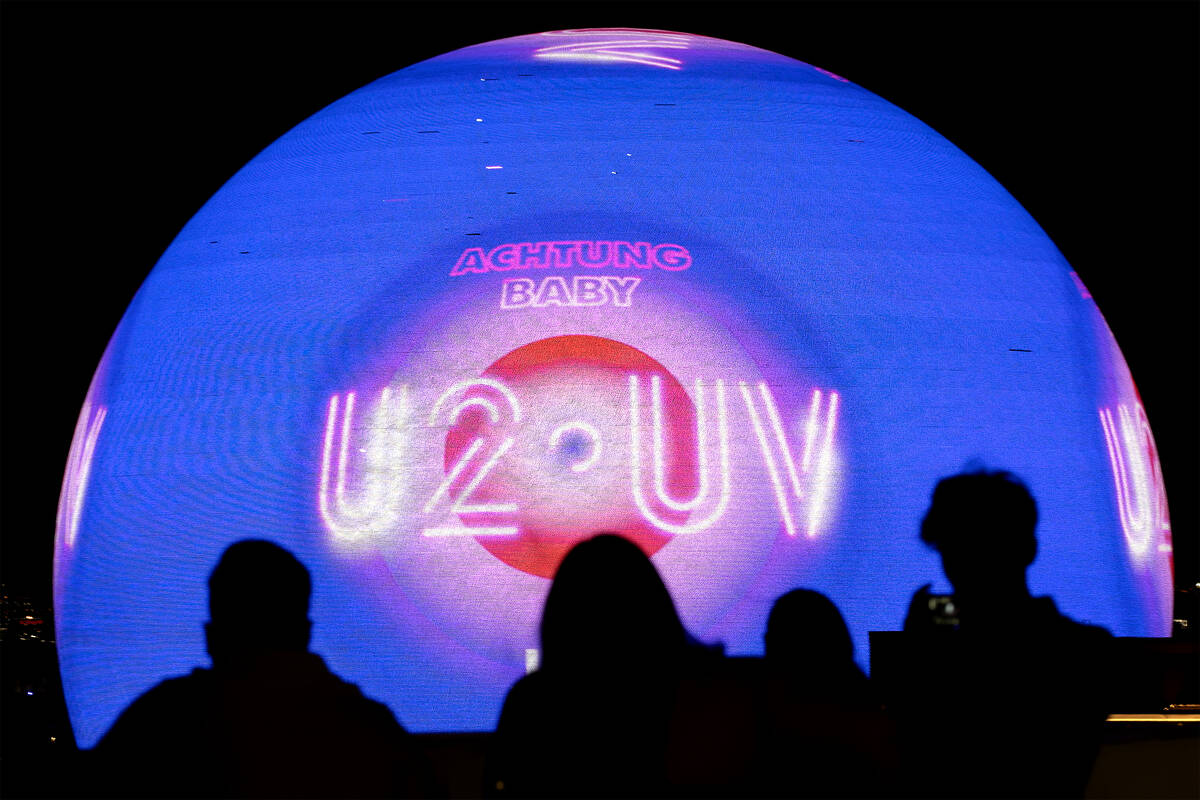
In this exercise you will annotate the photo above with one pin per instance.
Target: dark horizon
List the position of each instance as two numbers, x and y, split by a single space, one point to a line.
121 120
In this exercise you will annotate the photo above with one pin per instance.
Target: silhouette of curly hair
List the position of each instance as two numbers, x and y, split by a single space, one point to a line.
989 513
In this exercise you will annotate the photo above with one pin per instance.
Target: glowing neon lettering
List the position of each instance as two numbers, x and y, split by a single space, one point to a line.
1137 478
516 293
619 47
553 292
632 254
533 255
464 386
361 488
709 515
660 484
461 504
471 260
594 254
572 254
502 258
79 468
824 468
583 290
458 505
622 289
375 506
565 253
589 291
672 257
813 475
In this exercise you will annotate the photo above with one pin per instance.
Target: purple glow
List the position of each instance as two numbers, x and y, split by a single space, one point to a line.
831 75
1083 290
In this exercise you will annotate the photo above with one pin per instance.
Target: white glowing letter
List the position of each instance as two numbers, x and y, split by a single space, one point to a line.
808 481
79 467
461 504
1137 477
709 512
630 48
380 469
482 402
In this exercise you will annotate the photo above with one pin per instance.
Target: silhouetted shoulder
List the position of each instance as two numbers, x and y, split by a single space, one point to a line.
288 727
536 746
269 719
1044 623
1079 647
1045 611
175 710
527 702
160 736
288 676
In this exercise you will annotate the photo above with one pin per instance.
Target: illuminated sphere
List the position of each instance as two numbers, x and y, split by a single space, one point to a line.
724 302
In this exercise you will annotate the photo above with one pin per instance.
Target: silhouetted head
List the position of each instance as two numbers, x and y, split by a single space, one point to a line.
608 608
806 628
982 524
258 598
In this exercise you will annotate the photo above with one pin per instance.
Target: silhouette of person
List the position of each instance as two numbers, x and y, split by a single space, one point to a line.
594 719
825 735
807 640
1004 695
268 719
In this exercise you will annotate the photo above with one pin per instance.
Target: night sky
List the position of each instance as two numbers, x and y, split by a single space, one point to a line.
121 120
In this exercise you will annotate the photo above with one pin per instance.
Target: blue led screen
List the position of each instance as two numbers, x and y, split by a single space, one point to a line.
724 302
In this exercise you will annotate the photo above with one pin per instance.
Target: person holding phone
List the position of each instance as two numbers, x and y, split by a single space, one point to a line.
1002 695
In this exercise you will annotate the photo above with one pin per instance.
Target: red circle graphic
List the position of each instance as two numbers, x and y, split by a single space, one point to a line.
567 468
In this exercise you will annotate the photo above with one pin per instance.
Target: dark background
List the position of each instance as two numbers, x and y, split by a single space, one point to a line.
120 120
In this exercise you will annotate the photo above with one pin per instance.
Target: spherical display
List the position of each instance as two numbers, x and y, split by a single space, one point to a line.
724 302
